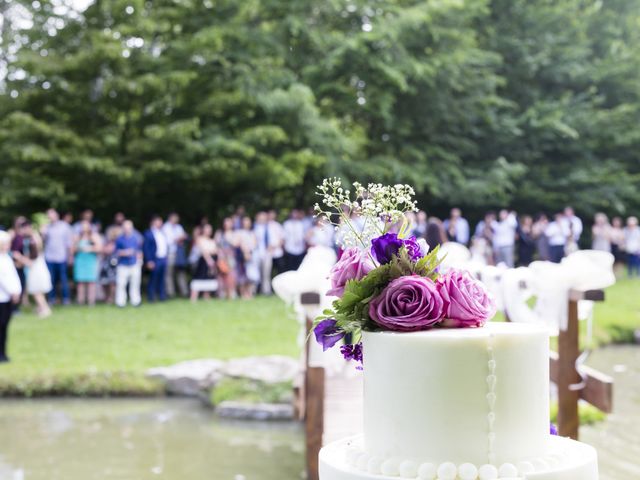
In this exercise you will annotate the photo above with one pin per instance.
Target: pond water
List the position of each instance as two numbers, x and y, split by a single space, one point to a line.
618 438
160 439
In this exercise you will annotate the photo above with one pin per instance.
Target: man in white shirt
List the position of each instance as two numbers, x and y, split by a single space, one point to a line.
176 236
295 247
504 238
10 290
269 236
572 225
558 234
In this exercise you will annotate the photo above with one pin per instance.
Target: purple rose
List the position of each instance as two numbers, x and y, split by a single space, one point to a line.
386 246
467 302
327 333
353 265
407 304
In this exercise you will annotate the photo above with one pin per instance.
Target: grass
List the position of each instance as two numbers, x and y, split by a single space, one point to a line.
100 350
588 414
249 391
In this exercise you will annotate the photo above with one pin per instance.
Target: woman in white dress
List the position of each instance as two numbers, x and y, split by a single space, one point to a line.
38 277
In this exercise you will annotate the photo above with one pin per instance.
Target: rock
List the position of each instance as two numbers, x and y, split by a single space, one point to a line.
255 411
270 369
189 378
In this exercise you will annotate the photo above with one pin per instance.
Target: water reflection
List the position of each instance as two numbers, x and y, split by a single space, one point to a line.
618 438
74 439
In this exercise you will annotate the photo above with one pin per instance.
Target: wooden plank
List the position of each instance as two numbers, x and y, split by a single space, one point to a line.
310 298
568 419
593 295
314 424
598 390
312 404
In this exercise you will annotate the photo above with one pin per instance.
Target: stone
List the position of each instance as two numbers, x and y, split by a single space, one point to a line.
269 369
255 411
189 378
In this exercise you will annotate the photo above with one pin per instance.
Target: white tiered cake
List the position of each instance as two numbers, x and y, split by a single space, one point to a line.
458 404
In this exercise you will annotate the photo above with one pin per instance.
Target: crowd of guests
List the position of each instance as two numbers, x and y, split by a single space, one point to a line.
515 240
238 259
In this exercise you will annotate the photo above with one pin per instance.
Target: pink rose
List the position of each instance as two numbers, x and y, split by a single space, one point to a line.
408 303
353 265
467 302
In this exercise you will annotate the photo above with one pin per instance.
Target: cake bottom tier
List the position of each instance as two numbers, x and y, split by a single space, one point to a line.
566 460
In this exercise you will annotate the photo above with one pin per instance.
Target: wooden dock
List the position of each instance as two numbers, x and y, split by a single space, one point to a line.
342 406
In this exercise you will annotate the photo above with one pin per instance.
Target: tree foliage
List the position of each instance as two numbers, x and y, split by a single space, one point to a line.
196 105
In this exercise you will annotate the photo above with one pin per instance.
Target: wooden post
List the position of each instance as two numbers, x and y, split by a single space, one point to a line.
313 400
588 384
568 352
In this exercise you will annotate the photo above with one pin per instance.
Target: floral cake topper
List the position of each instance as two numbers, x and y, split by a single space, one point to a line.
385 279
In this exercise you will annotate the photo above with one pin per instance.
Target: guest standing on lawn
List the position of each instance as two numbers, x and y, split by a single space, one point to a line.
632 246
37 273
128 250
156 250
295 247
175 274
87 246
10 291
504 238
58 240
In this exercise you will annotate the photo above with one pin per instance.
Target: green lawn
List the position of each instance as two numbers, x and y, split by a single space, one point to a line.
81 350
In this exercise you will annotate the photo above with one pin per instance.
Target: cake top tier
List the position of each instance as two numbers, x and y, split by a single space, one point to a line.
478 395
489 329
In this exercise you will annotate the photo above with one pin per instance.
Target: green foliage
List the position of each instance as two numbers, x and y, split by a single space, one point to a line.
197 105
245 390
587 413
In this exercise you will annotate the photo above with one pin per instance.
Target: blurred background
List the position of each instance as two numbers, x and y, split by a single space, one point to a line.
153 152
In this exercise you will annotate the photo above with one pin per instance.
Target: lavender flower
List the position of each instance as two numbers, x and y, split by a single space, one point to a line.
352 352
553 430
327 333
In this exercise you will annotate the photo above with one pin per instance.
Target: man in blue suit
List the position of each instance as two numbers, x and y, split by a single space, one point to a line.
155 249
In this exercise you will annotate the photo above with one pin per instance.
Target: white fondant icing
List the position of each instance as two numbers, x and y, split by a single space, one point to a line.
424 401
414 409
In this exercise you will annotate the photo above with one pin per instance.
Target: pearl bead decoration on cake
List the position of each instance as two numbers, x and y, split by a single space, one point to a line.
447 471
468 471
507 470
488 472
408 469
427 471
391 467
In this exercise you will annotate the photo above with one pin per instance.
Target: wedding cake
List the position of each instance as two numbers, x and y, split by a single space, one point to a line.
458 404
447 394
